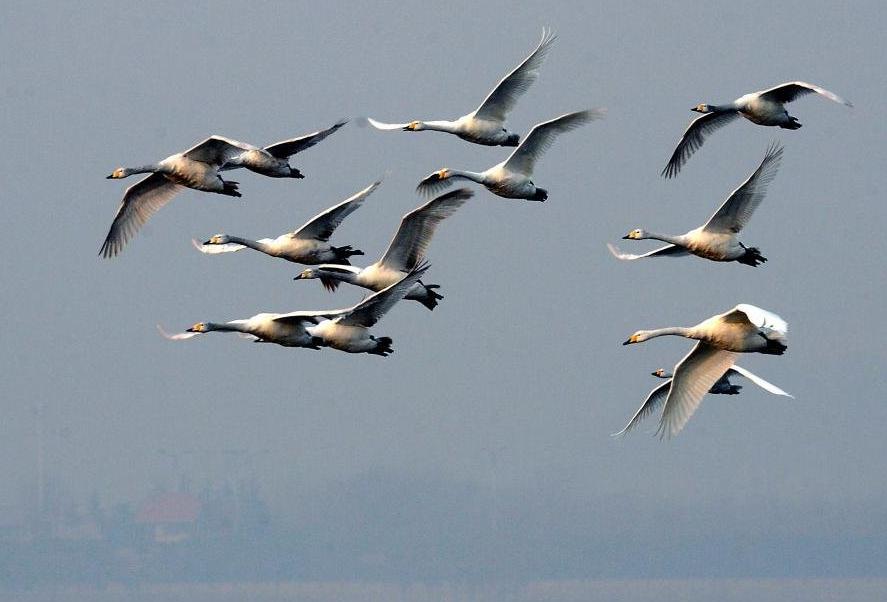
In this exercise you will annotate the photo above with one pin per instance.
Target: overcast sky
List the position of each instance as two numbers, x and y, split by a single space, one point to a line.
513 384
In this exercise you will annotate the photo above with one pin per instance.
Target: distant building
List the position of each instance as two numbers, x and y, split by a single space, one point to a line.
171 516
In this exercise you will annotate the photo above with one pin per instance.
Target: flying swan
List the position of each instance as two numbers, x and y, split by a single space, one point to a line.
743 329
766 107
486 124
511 178
309 244
716 239
722 386
405 251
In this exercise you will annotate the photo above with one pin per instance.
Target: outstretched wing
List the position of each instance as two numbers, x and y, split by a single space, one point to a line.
666 251
285 148
506 93
791 91
761 318
307 317
693 138
410 242
433 183
543 135
217 150
230 247
179 336
140 202
693 377
766 385
321 226
370 310
653 401
734 214
386 126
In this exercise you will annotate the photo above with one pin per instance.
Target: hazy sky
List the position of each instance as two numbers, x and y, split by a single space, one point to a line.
513 384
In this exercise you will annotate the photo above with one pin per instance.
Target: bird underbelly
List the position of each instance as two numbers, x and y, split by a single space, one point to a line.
343 337
306 252
490 134
197 175
377 278
513 189
715 247
767 114
710 253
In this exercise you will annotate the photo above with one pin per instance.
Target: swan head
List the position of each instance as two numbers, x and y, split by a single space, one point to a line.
702 108
635 234
120 172
639 337
199 327
413 126
307 274
218 239
661 373
443 174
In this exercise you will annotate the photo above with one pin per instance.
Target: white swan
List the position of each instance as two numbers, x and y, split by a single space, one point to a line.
722 386
405 251
197 167
309 244
743 329
349 331
486 124
716 239
273 160
511 178
287 329
766 107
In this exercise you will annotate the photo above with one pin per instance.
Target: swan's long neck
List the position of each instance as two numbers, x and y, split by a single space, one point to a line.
345 276
259 245
468 175
680 331
440 126
232 326
150 168
673 239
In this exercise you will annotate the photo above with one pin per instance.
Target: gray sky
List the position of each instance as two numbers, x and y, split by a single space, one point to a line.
513 384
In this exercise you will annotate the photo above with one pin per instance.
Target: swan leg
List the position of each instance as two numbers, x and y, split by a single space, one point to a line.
751 257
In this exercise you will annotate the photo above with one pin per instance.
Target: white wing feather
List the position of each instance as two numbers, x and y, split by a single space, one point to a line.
767 386
386 126
543 135
734 214
503 97
181 336
791 91
666 251
694 375
230 247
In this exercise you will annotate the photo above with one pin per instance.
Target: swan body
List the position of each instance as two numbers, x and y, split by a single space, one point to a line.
406 250
766 107
512 178
722 386
717 239
721 338
197 168
307 245
349 331
744 329
273 160
486 124
287 330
